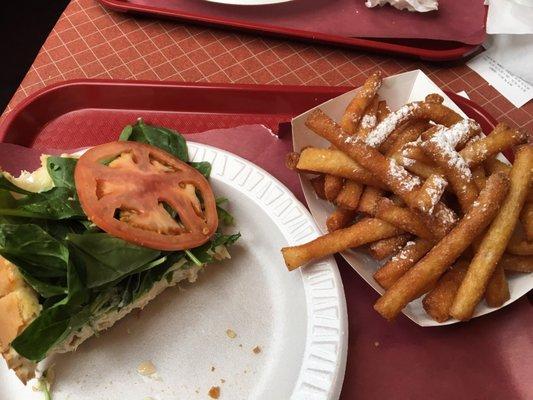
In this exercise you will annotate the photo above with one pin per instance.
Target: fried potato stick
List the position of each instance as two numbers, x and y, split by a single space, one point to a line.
418 110
355 109
497 291
512 263
501 138
434 264
495 239
383 110
340 218
494 165
362 232
334 162
438 301
398 265
369 200
480 179
332 186
318 186
386 170
519 245
349 195
526 217
384 248
368 120
410 133
402 218
430 193
440 148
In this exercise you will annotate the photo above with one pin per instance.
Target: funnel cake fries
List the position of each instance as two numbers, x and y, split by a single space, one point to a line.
406 173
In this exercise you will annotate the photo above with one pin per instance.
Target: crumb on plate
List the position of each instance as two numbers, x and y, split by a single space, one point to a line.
231 333
214 392
256 350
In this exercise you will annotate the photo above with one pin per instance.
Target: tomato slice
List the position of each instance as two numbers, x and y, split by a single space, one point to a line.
145 196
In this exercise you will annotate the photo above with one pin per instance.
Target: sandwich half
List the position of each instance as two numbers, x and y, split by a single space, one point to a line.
86 240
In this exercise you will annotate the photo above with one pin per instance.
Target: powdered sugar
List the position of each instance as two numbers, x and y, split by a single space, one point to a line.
406 181
446 139
380 133
455 134
368 121
407 162
435 191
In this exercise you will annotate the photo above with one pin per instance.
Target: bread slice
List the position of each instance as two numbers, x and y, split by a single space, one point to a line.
19 306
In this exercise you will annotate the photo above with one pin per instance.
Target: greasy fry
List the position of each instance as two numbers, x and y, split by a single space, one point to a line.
369 200
526 217
365 231
495 240
440 257
369 119
497 291
501 138
403 218
480 179
413 151
318 186
430 193
510 262
418 167
438 301
519 245
354 110
410 133
494 165
384 248
334 162
340 218
398 265
441 149
332 186
421 110
383 110
349 195
386 170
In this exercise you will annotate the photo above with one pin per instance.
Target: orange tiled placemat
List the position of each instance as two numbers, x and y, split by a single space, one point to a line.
90 42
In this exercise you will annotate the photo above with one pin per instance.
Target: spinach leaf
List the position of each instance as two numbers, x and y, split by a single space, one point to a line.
46 287
107 258
50 328
61 170
57 203
32 245
166 139
223 215
204 252
203 167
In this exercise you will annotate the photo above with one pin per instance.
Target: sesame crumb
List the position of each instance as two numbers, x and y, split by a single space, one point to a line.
231 333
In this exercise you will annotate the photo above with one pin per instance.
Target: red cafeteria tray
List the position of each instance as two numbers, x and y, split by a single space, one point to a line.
487 358
429 50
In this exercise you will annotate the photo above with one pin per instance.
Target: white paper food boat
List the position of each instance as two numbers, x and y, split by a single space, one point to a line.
397 90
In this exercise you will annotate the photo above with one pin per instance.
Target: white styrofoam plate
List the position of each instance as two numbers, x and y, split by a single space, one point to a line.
397 90
298 318
249 2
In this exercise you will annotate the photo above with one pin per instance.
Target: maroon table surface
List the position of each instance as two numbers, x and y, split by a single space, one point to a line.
490 357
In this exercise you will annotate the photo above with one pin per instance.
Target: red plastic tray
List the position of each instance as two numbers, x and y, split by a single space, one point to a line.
487 358
429 50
